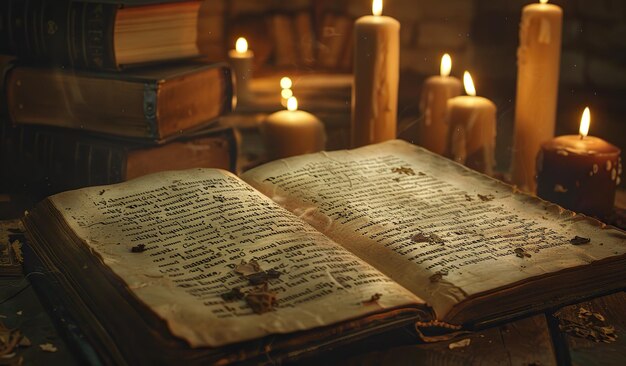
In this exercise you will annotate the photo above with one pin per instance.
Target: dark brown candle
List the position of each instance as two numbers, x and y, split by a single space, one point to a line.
579 172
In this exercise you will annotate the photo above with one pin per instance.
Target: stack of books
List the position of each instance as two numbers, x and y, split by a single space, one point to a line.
99 92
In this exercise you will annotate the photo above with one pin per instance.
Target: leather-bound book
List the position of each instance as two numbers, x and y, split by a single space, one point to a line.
151 103
102 34
44 160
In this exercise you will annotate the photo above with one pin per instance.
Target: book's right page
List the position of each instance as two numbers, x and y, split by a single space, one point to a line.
439 229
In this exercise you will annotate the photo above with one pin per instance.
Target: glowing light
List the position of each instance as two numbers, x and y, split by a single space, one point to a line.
286 83
470 89
543 1
377 7
286 93
292 104
585 121
446 65
241 45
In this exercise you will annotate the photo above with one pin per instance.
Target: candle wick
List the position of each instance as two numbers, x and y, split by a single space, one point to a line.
582 136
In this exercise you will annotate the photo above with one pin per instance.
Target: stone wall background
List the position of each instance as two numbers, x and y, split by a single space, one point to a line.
481 36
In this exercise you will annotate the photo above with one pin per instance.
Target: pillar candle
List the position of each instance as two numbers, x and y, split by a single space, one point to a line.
376 76
293 132
472 134
241 59
433 129
579 172
538 58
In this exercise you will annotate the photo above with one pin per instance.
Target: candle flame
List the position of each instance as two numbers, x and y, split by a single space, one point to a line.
585 121
286 83
469 84
241 46
292 104
543 1
446 65
377 7
286 93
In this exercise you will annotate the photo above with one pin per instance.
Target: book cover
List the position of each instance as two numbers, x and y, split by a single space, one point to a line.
152 103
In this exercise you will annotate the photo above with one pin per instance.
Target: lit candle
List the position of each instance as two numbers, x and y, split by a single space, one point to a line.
293 132
376 76
286 92
579 172
538 58
241 59
433 129
472 135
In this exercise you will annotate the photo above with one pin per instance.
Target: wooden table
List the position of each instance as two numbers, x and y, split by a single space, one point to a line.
536 340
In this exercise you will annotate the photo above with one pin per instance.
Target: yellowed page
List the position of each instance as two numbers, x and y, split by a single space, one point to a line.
197 226
433 226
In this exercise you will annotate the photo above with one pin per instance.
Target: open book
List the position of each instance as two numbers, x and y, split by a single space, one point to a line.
309 252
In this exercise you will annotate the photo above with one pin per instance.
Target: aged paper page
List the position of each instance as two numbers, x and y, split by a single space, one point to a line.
435 227
196 227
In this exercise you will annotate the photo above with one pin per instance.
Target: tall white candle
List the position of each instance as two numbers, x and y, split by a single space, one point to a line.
241 59
538 59
376 76
433 128
472 137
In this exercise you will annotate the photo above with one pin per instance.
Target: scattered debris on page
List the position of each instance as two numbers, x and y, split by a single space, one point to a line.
263 277
420 238
438 276
246 269
261 300
592 326
140 248
403 170
427 238
48 347
233 295
255 275
468 198
373 300
460 344
577 240
521 253
16 247
486 198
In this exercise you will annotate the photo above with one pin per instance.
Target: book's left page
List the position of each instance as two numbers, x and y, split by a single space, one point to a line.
219 262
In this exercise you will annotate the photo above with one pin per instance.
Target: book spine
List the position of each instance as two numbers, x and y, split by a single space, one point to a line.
42 163
60 32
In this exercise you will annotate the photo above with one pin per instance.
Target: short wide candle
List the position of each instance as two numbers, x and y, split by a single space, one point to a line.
293 132
472 135
579 172
376 78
